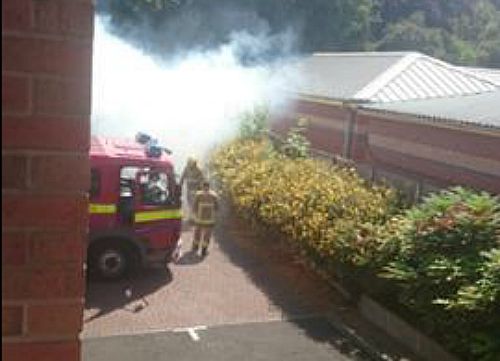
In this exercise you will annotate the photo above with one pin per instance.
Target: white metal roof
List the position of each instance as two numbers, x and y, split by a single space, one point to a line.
380 77
341 75
417 76
480 109
490 74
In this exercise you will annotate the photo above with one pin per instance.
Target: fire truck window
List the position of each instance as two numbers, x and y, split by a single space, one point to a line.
156 189
95 183
127 178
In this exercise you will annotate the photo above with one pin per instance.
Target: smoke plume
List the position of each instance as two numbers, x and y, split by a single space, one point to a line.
191 103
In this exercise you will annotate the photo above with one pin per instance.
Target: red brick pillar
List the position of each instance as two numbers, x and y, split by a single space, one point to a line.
46 78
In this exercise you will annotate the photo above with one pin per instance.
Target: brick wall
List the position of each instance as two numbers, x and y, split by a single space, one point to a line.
409 153
326 124
46 75
419 155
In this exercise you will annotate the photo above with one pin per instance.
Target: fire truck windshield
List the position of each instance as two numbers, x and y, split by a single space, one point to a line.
152 184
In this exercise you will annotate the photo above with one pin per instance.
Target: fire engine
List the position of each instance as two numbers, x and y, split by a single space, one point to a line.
135 207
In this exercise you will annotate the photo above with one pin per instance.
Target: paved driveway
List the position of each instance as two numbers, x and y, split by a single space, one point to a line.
237 282
249 296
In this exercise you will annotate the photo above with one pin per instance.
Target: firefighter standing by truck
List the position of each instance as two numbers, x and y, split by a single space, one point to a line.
205 205
193 177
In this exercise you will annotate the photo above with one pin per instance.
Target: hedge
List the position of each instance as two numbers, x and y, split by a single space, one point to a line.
442 255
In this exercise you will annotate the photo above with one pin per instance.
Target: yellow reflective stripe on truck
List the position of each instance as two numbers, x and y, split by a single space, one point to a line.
100 208
148 216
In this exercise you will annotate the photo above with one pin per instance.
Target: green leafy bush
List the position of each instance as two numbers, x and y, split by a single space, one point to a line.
445 256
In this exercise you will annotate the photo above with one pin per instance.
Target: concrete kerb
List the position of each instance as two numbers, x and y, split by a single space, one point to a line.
402 331
371 351
390 323
368 349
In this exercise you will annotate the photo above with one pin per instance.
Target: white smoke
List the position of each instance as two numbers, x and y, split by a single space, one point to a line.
189 104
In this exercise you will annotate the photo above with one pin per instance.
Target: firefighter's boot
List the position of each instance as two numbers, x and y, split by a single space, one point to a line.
196 239
195 246
204 251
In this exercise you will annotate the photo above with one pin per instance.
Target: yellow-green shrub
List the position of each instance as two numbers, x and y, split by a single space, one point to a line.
329 209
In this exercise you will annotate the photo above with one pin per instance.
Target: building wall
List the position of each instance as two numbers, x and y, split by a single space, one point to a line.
46 75
409 153
326 124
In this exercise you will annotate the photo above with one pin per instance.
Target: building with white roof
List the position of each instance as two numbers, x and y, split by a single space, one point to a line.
405 117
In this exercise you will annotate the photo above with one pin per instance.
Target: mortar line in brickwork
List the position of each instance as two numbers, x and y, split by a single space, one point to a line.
17 115
63 115
31 95
42 76
30 339
32 152
61 265
24 324
41 118
6 228
79 195
28 180
45 301
36 35
18 74
63 78
45 76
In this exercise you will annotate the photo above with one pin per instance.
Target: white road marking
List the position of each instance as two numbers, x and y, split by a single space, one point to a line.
193 335
191 331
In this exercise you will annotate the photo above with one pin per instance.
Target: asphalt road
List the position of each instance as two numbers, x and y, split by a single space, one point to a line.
301 340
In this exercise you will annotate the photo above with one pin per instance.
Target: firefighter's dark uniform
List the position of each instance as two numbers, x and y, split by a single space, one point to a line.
205 205
193 177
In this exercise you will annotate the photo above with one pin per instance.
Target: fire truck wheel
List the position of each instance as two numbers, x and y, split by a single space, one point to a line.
110 260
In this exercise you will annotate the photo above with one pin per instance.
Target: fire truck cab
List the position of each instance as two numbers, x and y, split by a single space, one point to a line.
134 208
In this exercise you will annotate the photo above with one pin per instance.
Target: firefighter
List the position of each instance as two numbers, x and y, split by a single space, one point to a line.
205 205
193 177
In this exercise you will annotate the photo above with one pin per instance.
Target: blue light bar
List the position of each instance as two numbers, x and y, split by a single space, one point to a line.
153 150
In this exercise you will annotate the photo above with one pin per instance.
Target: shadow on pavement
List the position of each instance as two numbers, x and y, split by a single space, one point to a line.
292 288
129 293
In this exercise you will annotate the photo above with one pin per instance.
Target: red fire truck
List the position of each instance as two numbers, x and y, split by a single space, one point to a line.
135 206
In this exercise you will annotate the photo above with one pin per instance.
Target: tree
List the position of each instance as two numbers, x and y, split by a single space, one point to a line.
481 29
460 31
412 34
